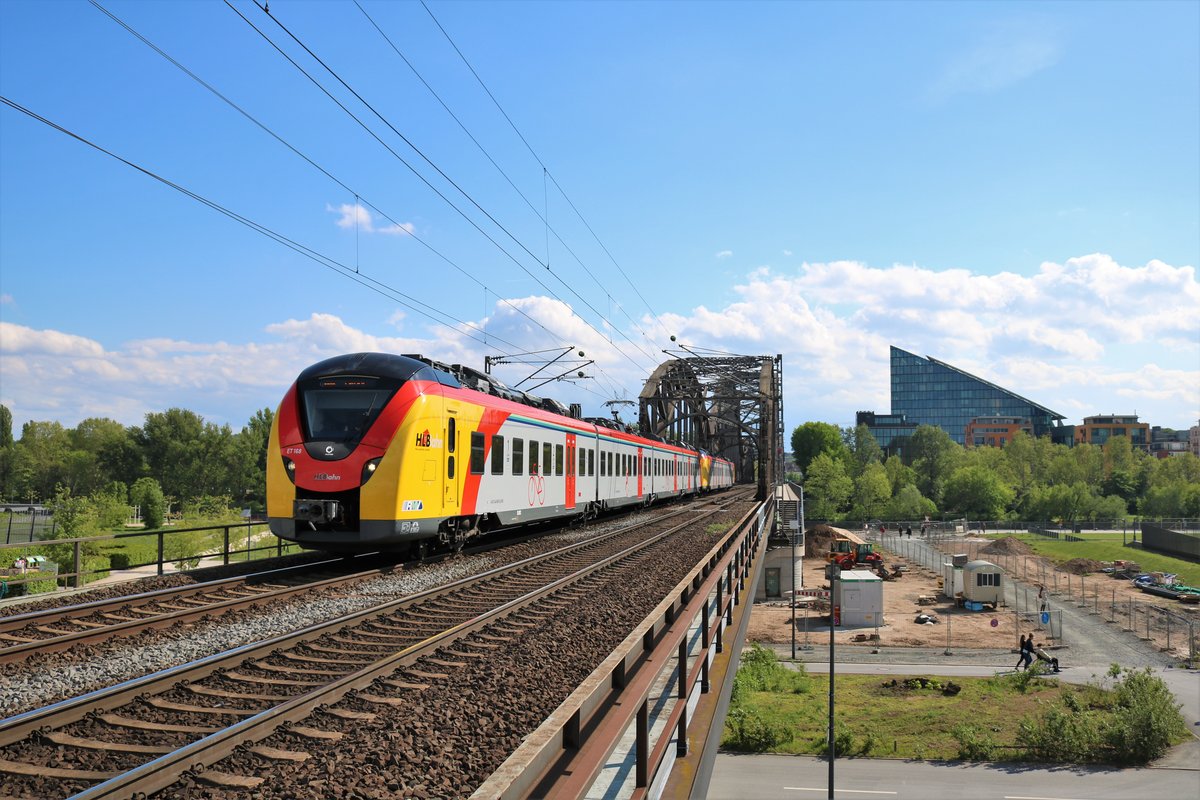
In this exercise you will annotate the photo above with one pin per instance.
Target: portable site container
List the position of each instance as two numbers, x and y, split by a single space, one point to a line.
952 580
982 584
858 596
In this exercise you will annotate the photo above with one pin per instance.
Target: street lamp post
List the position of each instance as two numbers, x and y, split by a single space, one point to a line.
833 572
794 533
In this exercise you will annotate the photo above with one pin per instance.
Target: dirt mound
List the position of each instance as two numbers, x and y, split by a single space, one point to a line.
817 540
1082 566
1008 546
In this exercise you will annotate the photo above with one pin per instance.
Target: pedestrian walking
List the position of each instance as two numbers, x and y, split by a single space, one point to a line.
1043 600
1027 653
1020 654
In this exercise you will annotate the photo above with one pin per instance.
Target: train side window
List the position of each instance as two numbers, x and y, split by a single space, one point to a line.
518 456
497 455
547 456
533 457
591 462
477 441
558 459
451 436
582 469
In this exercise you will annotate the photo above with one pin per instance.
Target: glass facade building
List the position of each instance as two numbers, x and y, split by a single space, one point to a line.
926 391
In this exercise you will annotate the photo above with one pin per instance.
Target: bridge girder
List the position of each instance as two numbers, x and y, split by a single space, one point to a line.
729 405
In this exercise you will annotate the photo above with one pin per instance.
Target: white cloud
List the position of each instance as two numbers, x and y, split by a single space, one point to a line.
1083 337
356 217
6 299
723 254
1008 54
787 253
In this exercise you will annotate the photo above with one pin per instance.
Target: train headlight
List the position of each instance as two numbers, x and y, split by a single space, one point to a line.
289 467
369 469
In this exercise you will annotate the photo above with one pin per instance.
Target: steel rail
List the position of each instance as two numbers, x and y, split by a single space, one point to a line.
20 651
195 757
64 712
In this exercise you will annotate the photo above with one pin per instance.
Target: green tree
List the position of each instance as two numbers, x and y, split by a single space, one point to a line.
7 453
115 451
189 457
933 455
863 449
148 495
111 506
1067 503
813 438
249 473
40 459
899 475
872 491
827 487
908 503
977 492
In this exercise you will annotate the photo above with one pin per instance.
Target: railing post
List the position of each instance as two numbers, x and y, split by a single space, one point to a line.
160 552
643 744
681 747
705 641
225 551
78 564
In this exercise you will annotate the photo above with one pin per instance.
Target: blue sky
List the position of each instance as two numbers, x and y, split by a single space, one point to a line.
1012 188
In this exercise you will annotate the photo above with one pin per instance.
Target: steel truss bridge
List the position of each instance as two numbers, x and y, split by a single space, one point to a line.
728 405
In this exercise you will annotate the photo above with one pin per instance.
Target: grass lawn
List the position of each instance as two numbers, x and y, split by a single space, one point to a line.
1101 550
776 709
899 722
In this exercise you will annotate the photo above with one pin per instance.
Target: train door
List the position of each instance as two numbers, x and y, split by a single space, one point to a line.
450 500
674 472
640 470
570 498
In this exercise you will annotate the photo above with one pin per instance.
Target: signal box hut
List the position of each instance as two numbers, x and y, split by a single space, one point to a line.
982 584
858 598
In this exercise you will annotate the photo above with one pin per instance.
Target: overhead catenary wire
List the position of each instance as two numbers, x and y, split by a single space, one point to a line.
311 162
379 287
543 166
425 180
542 215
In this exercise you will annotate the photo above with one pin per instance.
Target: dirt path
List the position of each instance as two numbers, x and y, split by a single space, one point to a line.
1087 639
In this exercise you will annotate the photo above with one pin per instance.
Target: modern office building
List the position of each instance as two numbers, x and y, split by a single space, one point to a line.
1165 442
926 391
995 431
1098 430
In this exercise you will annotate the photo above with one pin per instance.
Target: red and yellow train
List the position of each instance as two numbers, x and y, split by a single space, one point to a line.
372 451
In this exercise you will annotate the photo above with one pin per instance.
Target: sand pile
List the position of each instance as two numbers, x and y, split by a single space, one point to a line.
1008 546
1082 566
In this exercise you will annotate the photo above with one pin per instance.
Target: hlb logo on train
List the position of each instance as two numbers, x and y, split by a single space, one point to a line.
423 438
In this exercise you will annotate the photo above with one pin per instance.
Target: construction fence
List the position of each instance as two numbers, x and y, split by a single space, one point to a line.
1169 630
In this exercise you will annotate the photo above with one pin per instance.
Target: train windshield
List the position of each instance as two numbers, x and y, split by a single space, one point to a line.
342 409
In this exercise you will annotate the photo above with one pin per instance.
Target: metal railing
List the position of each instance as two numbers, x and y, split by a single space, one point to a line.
257 539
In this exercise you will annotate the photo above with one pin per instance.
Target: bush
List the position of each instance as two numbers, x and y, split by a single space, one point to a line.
1060 734
843 740
973 744
129 553
760 671
749 732
147 494
1148 719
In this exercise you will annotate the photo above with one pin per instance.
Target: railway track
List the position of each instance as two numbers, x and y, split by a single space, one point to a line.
55 629
146 734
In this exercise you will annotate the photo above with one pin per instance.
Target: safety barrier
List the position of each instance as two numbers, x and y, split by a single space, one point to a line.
631 718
